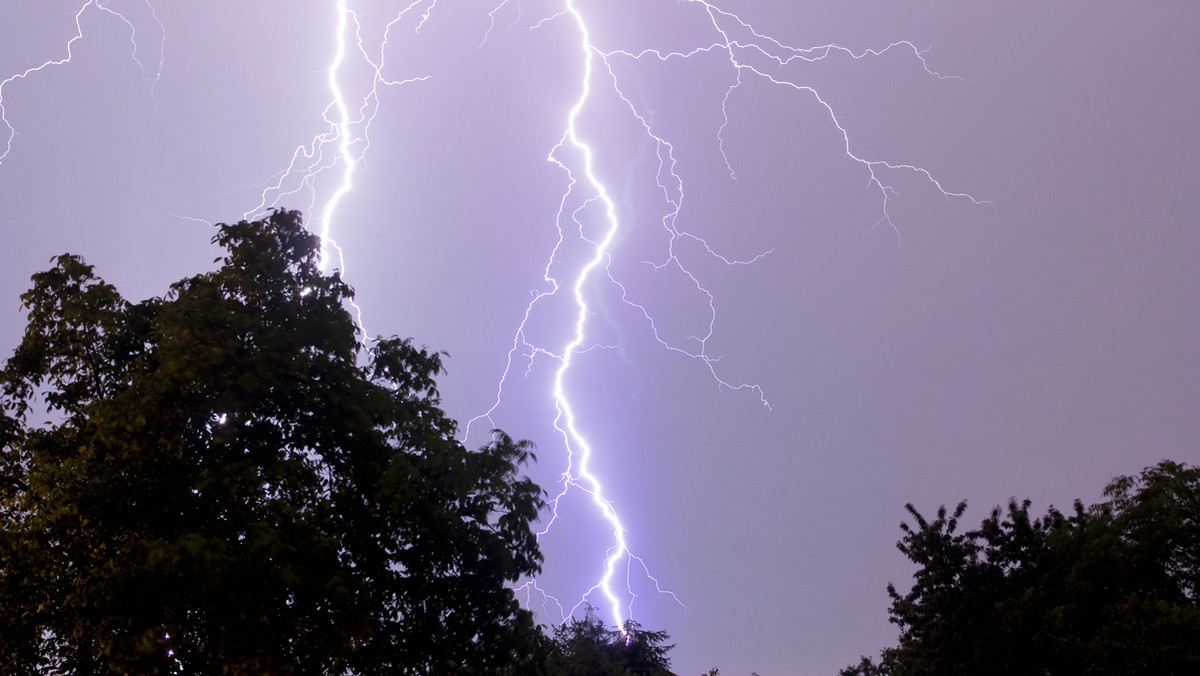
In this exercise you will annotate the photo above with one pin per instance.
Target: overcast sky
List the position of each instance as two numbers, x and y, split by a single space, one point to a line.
1034 346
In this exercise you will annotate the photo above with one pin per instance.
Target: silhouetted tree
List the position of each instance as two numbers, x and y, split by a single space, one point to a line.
588 647
230 484
1110 589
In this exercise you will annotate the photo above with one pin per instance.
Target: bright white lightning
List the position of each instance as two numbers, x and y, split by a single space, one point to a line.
346 139
342 124
577 446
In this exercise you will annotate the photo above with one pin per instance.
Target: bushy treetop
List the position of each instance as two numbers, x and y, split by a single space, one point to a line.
230 482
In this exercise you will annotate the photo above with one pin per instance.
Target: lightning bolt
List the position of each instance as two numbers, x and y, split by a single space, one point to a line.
153 75
343 144
345 140
323 168
750 54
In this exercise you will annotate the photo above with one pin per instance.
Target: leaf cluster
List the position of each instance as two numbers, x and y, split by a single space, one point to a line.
230 483
588 647
1106 589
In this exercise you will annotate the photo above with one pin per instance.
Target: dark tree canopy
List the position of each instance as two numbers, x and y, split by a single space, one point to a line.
1109 589
588 647
229 483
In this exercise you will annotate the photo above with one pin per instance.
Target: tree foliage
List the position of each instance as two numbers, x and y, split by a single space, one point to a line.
588 647
1108 589
229 483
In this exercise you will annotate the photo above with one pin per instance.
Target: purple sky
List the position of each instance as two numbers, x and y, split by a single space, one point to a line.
1034 347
